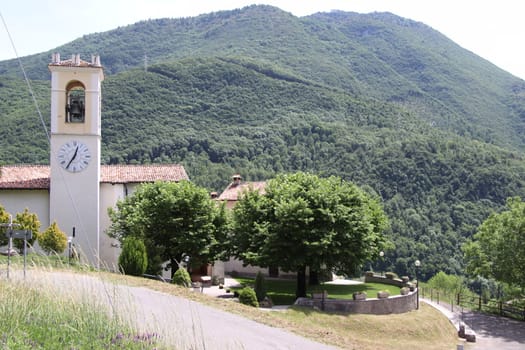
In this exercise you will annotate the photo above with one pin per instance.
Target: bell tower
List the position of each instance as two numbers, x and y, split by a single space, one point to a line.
75 151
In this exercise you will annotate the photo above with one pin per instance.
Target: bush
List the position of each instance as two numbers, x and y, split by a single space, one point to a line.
260 286
247 297
181 277
133 260
53 240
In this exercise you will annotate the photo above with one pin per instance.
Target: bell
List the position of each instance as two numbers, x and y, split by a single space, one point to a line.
76 110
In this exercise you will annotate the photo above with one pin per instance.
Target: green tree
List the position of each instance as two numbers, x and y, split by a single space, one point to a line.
53 240
27 221
260 286
498 248
133 259
173 219
306 221
450 283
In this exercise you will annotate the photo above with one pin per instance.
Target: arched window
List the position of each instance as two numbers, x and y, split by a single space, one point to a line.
75 102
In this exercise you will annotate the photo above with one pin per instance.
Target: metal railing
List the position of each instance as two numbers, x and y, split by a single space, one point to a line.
473 302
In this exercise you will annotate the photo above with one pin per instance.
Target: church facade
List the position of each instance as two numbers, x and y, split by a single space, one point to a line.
75 190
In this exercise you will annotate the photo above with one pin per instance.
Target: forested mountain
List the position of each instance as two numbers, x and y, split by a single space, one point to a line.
386 102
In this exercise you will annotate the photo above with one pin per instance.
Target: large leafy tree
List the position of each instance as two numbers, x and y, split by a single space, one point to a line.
306 221
173 220
498 248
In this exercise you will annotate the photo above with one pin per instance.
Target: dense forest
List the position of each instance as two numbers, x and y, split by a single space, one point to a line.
435 131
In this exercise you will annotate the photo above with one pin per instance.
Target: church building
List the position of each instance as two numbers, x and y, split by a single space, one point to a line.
75 190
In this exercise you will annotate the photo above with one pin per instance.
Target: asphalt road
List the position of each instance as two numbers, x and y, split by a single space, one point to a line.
492 332
181 323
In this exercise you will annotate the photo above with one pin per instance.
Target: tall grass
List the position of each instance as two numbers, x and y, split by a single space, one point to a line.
35 316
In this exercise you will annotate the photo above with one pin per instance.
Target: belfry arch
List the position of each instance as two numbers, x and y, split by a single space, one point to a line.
75 102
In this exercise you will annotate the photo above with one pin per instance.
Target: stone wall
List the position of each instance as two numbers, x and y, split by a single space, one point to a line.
392 305
381 279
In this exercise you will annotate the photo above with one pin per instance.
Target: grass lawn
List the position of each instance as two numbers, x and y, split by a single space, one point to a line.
282 292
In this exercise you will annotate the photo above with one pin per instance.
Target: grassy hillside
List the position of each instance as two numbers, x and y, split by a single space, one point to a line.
386 102
376 55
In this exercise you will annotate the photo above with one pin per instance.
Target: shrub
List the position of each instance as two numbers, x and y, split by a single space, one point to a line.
133 260
181 277
260 286
247 297
53 239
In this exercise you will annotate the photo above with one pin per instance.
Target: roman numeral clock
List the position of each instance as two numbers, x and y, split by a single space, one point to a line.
74 156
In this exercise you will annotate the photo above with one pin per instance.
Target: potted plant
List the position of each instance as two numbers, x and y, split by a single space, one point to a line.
383 294
359 296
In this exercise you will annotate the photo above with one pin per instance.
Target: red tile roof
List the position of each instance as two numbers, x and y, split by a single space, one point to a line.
233 191
24 177
142 173
38 176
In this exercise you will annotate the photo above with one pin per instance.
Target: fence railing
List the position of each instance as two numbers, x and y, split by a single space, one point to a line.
474 302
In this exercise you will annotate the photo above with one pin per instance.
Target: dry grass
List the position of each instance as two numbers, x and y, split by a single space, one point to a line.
426 328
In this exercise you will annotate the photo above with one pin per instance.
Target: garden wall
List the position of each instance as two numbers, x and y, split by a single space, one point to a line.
370 278
393 305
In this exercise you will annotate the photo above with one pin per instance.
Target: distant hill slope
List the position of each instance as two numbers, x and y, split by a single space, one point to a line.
378 55
386 102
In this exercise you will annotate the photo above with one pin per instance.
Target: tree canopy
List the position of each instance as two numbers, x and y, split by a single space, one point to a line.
173 220
306 221
497 250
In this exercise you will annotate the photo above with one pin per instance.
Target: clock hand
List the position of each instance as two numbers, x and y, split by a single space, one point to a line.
72 158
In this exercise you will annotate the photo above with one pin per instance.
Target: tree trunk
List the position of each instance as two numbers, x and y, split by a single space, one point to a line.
300 292
313 279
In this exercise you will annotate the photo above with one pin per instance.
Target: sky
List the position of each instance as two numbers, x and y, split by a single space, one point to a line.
494 30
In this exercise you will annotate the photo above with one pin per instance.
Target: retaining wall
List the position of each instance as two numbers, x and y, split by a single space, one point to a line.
392 305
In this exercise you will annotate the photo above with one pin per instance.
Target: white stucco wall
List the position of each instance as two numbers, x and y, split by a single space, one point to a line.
234 266
36 201
109 247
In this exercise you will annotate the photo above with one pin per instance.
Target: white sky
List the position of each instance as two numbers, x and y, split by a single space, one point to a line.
494 30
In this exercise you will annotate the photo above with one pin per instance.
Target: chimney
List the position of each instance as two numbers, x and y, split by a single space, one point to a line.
95 60
236 179
55 57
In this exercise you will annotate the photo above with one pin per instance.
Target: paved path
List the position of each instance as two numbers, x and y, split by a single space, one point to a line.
182 323
492 332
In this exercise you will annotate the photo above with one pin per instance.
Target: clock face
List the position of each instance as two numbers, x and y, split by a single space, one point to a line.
74 156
